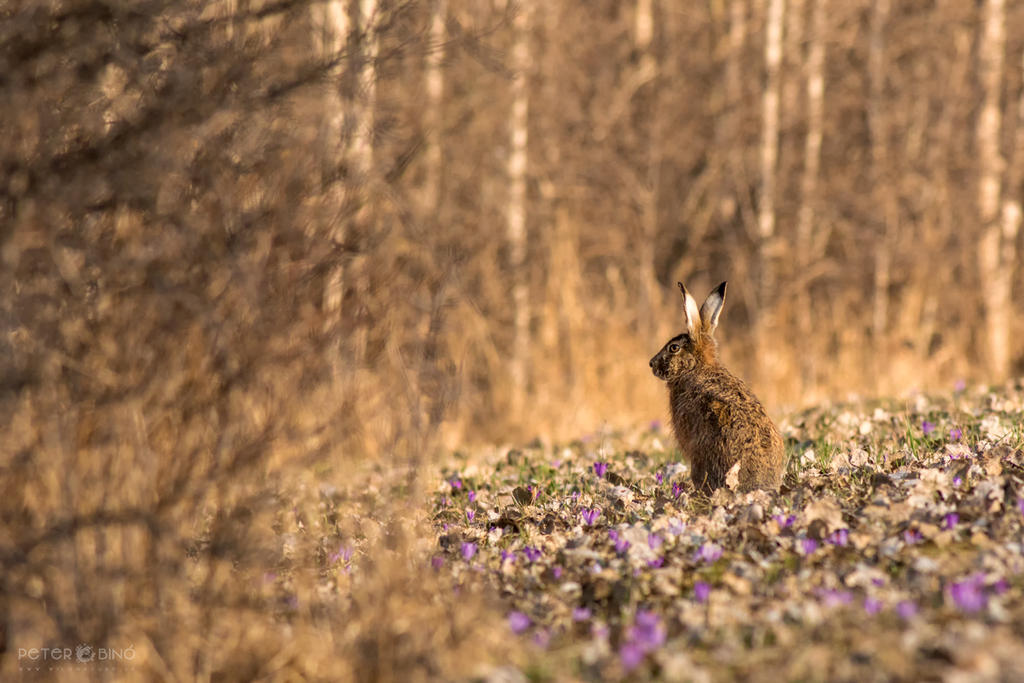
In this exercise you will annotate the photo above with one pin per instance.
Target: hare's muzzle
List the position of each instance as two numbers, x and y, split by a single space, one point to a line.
656 368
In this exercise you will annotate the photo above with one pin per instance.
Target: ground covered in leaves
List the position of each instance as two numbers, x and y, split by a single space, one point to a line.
893 551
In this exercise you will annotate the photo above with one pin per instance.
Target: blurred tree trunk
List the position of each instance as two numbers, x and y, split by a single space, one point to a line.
646 248
881 184
364 98
996 272
332 21
730 124
770 123
1012 210
434 119
516 211
767 243
644 24
805 229
349 141
793 67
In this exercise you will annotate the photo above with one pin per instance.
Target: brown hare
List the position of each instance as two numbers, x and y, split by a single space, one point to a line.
717 420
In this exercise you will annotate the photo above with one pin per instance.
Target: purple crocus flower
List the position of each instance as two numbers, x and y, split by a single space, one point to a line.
646 635
654 541
784 522
542 638
1001 586
957 480
556 572
872 606
969 594
835 598
808 545
468 551
675 527
456 483
647 631
927 427
956 434
950 520
518 622
839 537
470 514
907 609
590 516
472 496
656 563
912 536
631 655
580 614
701 591
677 490
508 556
436 562
708 553
532 554
600 468
344 554
659 477
621 545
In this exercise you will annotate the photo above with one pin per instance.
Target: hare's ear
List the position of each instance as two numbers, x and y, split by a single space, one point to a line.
690 313
712 308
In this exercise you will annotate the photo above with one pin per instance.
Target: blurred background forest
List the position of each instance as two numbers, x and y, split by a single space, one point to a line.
244 235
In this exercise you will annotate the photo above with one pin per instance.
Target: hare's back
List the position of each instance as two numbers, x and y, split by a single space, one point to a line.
741 414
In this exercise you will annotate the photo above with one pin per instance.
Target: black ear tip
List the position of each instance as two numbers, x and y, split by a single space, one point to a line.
680 286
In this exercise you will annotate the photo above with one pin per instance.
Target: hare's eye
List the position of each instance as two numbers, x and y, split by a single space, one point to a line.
673 348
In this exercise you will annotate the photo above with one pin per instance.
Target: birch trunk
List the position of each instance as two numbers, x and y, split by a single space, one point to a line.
770 113
434 78
348 130
364 98
644 34
996 273
815 99
881 185
1011 214
732 118
516 212
734 65
333 23
766 208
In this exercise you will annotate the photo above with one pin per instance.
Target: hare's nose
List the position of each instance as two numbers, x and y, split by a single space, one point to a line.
651 363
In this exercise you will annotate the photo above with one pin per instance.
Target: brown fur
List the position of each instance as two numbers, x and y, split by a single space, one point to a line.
716 418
